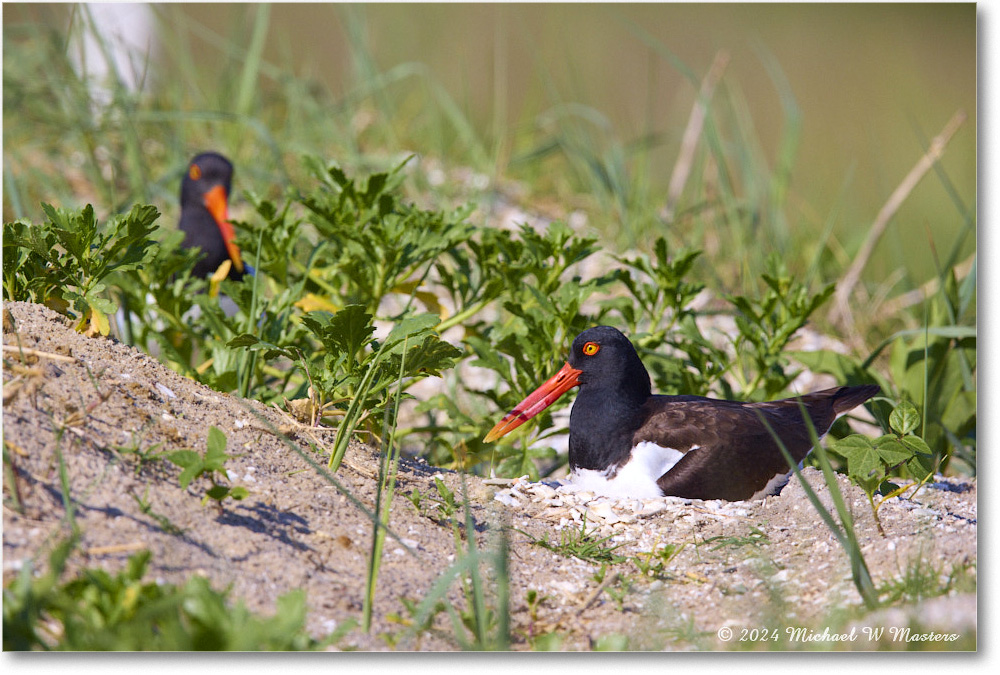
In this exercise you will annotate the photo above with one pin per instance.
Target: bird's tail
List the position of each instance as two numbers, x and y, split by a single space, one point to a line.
851 397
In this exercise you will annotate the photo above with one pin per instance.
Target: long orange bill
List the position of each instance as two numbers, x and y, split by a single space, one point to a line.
215 202
536 402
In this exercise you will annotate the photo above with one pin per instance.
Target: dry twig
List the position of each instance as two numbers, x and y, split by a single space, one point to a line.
608 580
685 158
928 289
841 311
13 349
116 548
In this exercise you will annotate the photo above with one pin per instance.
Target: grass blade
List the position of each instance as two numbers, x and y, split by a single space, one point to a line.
846 537
388 470
251 64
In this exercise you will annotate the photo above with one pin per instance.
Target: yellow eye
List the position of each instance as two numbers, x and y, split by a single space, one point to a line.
195 172
591 348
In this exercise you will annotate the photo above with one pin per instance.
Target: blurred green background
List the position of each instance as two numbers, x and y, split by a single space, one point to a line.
848 96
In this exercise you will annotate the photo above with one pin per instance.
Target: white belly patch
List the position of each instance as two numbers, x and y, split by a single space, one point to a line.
637 478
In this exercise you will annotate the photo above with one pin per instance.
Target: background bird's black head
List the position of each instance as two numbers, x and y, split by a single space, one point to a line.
206 172
203 173
608 360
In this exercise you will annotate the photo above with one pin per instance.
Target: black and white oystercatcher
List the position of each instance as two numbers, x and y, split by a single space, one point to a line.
625 441
205 214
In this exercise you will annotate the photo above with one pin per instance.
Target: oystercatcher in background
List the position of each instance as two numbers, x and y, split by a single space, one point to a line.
205 215
626 442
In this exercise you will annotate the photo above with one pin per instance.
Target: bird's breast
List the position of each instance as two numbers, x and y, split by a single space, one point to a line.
636 477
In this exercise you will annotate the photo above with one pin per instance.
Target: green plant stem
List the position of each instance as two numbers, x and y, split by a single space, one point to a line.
462 316
246 373
64 485
388 470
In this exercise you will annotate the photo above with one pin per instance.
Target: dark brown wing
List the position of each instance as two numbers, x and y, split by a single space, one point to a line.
737 454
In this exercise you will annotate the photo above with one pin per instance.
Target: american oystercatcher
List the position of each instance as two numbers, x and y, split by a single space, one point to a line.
205 215
625 441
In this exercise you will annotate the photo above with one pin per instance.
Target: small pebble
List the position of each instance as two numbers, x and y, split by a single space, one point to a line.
167 393
543 491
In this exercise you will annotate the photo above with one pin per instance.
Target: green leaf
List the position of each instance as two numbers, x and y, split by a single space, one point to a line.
215 455
216 441
190 472
184 458
409 327
954 332
431 356
922 463
863 460
244 340
904 418
346 332
217 492
443 490
891 452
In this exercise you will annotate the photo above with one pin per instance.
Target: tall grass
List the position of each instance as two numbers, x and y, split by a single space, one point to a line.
728 195
219 90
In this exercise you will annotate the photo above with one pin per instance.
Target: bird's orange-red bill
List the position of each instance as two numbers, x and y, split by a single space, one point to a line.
536 402
215 202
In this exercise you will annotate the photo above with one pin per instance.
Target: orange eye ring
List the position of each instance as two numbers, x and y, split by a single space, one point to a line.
194 172
591 348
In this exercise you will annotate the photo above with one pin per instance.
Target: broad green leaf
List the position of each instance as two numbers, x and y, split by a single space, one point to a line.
215 455
184 458
216 441
904 418
863 460
916 445
920 465
191 472
431 356
347 331
102 304
891 451
217 492
956 332
410 327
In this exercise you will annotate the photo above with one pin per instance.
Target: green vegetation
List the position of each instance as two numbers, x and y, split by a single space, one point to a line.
211 465
579 543
869 461
143 457
366 263
314 337
95 611
654 563
933 367
923 578
755 538
482 621
66 262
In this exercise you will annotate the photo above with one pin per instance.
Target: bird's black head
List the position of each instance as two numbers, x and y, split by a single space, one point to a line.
607 360
203 173
205 214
